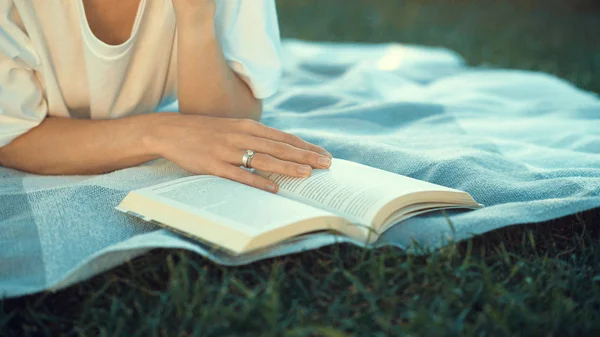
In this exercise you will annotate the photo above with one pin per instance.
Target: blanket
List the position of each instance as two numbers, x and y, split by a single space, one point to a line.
525 144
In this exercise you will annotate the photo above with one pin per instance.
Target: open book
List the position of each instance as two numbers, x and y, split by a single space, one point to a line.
350 199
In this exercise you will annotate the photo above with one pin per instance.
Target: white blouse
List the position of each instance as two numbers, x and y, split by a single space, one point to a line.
51 63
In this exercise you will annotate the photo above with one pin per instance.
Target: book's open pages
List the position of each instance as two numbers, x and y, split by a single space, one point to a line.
369 196
352 199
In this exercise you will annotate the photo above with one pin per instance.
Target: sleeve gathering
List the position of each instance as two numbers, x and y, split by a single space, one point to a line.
22 100
250 38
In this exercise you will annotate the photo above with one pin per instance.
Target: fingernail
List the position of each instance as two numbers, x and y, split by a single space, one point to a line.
324 162
327 154
271 187
304 170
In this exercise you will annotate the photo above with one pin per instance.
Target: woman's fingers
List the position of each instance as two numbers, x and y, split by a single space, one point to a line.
245 177
263 131
267 163
287 152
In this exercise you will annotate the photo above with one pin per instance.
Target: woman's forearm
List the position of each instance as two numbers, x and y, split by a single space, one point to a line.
199 144
206 83
71 146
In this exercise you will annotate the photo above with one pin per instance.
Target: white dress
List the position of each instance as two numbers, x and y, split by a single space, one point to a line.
51 63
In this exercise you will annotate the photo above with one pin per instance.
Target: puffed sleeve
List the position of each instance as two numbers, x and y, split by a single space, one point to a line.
249 35
22 101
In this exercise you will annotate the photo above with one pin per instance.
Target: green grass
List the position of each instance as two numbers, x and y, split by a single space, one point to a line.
555 36
530 280
536 279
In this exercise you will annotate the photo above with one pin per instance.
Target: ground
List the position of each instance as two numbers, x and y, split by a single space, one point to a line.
536 279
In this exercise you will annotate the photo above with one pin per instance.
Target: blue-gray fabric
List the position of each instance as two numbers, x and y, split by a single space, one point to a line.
527 145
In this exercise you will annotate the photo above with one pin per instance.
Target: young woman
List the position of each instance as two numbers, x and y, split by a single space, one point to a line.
79 78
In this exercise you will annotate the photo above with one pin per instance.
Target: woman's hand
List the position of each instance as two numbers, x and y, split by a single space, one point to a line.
212 145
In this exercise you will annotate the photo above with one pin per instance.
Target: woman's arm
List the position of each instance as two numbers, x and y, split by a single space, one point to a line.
199 144
206 83
74 146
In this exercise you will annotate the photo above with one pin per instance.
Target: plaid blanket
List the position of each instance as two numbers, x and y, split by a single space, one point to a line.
527 145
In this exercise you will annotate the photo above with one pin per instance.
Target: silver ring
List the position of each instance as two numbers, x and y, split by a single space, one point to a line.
247 158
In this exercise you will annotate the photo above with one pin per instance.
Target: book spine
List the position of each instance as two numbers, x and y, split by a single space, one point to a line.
213 248
139 216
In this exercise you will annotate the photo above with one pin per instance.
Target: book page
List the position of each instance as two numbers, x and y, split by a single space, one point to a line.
231 203
352 190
